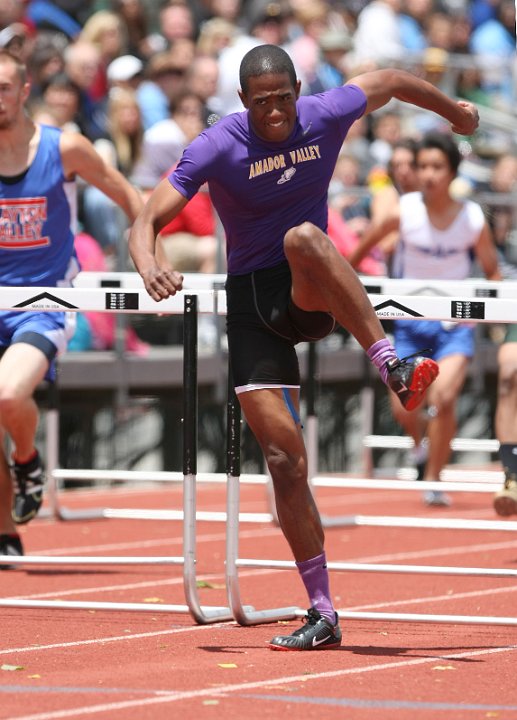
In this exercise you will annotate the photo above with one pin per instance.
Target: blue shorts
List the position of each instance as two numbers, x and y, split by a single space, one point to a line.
411 336
48 331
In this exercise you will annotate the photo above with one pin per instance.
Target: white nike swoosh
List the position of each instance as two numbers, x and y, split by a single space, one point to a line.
316 642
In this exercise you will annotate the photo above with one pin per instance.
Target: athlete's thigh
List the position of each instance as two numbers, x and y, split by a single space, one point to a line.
22 368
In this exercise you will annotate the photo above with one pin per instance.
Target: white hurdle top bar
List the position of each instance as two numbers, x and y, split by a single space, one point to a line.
481 301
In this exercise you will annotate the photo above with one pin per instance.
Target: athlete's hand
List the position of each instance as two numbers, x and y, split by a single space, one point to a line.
470 120
161 284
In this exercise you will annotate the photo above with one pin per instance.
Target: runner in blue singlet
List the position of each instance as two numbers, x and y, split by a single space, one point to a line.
38 166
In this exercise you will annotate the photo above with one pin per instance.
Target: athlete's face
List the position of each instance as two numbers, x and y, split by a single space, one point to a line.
271 101
13 94
433 171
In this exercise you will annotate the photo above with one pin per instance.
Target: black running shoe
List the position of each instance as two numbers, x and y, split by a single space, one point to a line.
317 633
410 380
28 481
10 545
505 501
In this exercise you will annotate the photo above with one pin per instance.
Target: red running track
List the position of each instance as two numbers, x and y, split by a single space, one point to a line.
59 663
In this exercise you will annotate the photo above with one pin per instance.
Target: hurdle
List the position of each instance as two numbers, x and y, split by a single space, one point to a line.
202 614
57 299
132 281
387 306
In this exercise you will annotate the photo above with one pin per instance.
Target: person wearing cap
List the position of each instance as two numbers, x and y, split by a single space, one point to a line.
330 70
125 71
163 79
12 38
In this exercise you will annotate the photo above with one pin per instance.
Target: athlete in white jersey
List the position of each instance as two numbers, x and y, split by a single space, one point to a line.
438 238
37 168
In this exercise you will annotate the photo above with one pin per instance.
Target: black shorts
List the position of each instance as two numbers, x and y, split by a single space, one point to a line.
264 325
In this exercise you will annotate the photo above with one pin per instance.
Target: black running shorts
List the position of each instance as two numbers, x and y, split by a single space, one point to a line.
264 325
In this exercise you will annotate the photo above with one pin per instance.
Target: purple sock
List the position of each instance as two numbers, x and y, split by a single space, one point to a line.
315 577
379 353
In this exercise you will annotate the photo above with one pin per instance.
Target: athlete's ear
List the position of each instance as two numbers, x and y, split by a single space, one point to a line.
297 88
26 91
243 98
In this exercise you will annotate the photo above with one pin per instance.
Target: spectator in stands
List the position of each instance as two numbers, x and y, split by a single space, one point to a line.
101 217
61 97
412 22
214 35
163 79
494 42
201 78
176 22
125 71
106 31
38 164
438 236
45 61
377 40
82 65
331 67
165 141
134 16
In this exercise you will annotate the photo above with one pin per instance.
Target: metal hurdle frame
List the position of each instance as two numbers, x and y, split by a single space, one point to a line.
451 309
202 614
393 308
490 311
131 280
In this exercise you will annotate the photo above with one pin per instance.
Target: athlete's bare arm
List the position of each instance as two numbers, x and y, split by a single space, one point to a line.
163 205
486 254
373 235
380 86
79 157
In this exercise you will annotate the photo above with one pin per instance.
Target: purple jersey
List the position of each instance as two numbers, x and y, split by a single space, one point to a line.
259 189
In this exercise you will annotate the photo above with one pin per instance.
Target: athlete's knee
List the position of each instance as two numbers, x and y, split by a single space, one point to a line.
507 379
288 472
9 401
305 240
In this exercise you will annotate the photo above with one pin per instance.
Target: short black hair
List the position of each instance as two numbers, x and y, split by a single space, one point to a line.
265 60
445 143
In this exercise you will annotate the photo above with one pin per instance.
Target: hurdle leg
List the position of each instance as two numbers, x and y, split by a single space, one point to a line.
202 615
243 615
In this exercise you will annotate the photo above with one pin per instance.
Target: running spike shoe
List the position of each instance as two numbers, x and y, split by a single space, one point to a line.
409 378
10 545
317 633
28 481
505 501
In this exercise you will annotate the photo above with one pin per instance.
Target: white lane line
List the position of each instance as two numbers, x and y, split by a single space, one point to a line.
178 540
236 688
113 638
439 552
435 598
217 577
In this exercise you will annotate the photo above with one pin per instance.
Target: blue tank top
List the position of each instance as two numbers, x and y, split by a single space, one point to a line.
37 221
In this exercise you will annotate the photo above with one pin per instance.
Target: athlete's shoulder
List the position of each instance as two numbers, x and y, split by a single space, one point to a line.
341 101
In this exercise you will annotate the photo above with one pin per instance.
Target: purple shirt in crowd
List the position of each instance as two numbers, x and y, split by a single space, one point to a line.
259 189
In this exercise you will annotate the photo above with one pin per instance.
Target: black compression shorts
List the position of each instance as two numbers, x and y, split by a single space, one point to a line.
264 325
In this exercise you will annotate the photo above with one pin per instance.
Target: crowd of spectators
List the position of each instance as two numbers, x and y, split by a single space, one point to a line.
141 78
